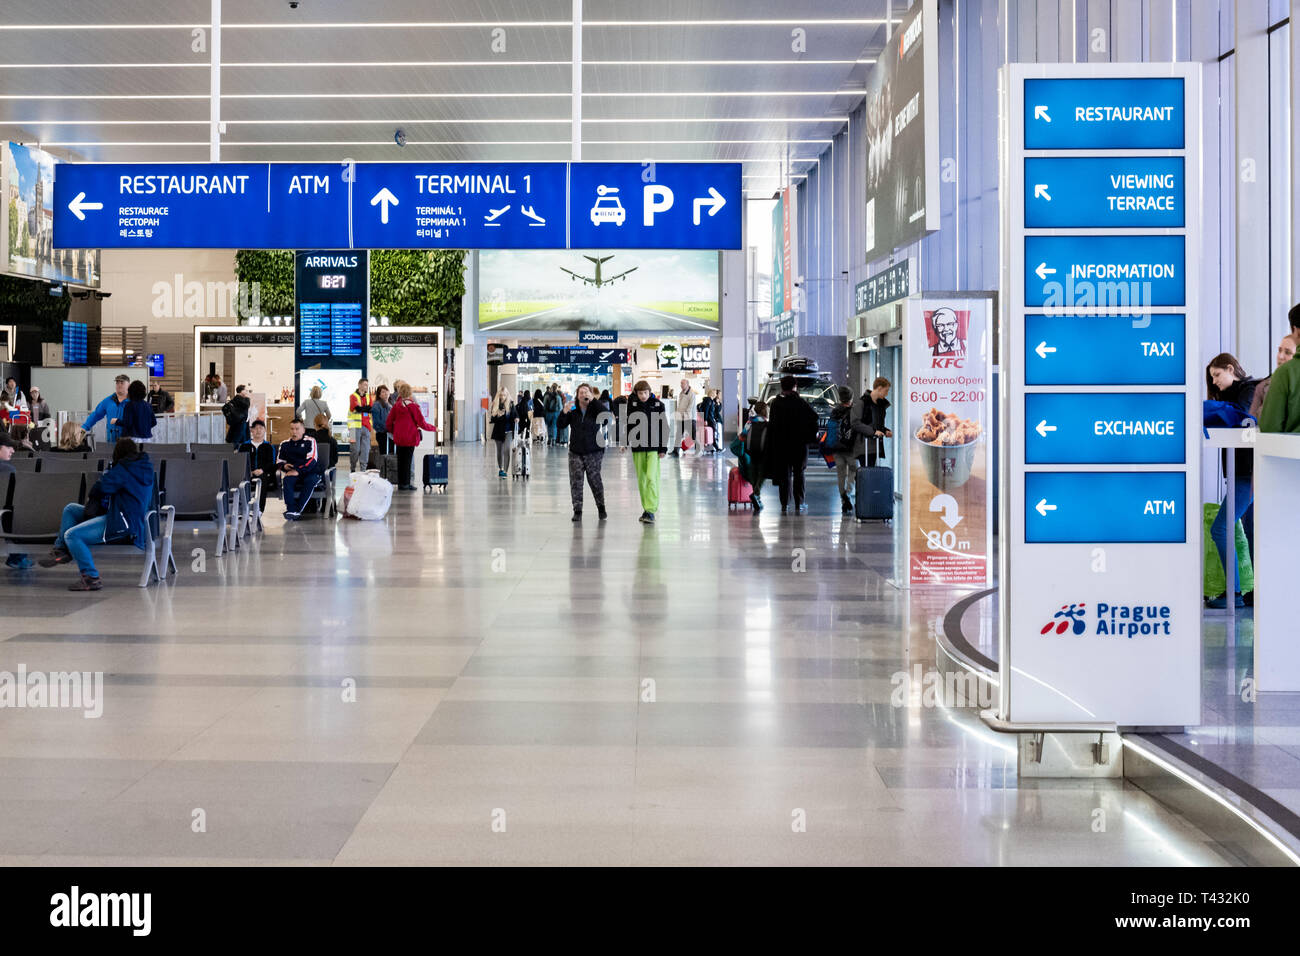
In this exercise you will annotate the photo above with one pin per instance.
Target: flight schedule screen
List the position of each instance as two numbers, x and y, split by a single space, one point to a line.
331 291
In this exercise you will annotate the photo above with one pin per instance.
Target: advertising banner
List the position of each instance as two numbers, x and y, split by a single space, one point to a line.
902 132
27 216
948 442
588 289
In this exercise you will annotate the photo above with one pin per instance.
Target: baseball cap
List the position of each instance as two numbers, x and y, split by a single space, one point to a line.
6 440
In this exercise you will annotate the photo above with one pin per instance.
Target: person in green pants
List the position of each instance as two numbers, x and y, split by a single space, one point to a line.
647 439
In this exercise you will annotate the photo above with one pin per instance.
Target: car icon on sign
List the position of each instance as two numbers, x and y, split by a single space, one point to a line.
607 208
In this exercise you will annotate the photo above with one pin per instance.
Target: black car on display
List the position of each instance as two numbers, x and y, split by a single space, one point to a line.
814 385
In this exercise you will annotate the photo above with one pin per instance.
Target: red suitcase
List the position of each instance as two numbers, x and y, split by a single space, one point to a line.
738 489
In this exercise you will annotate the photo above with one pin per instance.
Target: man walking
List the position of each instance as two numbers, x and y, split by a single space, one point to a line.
110 409
684 413
586 451
792 426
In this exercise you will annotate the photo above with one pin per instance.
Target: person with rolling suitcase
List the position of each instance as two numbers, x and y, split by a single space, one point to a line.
405 422
749 470
875 483
851 423
520 453
501 417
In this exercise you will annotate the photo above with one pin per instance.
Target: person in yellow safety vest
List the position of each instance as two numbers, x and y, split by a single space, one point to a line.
359 425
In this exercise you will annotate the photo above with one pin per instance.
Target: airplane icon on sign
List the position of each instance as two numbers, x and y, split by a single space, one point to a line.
494 214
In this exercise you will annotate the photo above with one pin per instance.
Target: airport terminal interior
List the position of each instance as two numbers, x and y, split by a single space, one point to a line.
588 433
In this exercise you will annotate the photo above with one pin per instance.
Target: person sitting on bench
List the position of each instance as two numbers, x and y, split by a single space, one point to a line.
299 465
116 509
261 460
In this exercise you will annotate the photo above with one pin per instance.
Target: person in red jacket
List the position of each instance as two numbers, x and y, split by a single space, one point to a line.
404 424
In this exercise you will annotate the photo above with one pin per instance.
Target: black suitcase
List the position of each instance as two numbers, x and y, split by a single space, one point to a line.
388 468
875 494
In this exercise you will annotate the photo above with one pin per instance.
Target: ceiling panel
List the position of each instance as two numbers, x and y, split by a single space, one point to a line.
343 76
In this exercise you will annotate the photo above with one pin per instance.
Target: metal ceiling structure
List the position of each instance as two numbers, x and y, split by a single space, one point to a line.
764 82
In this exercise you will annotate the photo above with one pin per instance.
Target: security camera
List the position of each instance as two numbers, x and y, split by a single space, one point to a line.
293 4
399 137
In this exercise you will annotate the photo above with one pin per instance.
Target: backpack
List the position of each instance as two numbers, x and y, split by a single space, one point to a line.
756 440
229 413
839 429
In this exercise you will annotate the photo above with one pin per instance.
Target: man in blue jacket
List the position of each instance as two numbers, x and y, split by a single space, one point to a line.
111 409
122 496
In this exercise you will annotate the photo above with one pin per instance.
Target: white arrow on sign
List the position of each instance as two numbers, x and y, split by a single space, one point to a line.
1043 507
1040 112
1044 348
1043 428
1043 272
948 505
385 197
1040 191
77 205
714 200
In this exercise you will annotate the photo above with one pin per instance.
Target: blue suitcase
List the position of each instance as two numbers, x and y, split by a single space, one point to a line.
875 494
435 472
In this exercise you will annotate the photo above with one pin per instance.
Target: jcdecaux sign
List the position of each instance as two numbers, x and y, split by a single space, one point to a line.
398 205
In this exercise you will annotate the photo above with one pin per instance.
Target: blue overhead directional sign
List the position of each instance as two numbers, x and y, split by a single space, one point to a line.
199 205
1073 428
1094 507
1105 350
654 206
397 206
1104 191
1104 113
459 206
1105 271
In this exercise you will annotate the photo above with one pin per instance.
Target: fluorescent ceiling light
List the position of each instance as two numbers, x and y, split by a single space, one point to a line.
445 24
565 121
338 64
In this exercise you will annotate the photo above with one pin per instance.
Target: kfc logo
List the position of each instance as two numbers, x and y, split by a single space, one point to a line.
945 334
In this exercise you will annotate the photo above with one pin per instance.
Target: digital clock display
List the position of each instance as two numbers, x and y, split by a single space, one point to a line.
331 281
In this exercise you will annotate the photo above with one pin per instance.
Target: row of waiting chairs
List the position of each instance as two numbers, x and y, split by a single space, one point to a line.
31 512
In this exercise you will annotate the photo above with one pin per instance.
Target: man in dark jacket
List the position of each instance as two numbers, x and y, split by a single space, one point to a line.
261 461
586 449
160 400
792 425
876 402
236 414
299 465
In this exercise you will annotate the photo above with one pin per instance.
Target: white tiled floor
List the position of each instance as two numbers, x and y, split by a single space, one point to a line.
527 691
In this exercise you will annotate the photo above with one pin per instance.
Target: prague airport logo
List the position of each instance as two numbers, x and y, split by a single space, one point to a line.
1070 614
945 334
1112 620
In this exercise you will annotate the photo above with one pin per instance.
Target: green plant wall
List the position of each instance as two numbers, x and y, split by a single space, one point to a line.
410 286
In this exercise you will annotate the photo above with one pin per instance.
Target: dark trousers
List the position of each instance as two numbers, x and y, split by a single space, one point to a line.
589 465
297 491
790 474
405 457
383 442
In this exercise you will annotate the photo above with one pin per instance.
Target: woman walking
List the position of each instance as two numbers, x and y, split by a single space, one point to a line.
586 452
1226 381
501 418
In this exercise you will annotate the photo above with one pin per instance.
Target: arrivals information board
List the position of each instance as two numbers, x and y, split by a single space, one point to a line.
1101 529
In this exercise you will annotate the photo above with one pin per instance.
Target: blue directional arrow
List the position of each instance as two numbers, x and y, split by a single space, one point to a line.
1104 113
1114 272
1087 507
1105 350
1104 192
1110 428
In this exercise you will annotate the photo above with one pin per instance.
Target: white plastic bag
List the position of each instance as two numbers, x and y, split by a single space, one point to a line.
368 497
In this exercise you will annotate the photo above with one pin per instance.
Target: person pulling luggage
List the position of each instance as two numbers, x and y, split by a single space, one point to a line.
586 451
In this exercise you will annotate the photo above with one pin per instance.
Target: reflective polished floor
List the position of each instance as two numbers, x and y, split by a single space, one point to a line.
477 680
